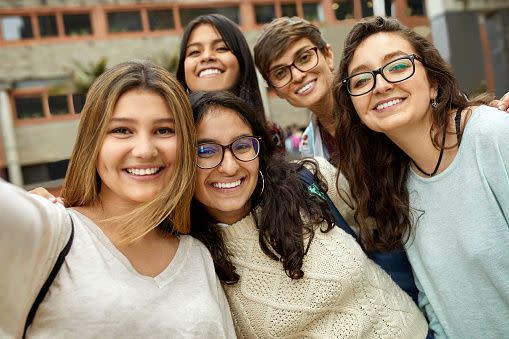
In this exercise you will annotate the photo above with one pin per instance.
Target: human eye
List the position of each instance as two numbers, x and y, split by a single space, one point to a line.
207 150
399 66
280 73
222 48
242 145
192 52
120 131
360 80
165 131
305 57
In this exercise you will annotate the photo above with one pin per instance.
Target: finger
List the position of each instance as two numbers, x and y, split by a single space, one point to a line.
42 192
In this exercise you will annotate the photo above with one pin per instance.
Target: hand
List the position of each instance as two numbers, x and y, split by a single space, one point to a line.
42 192
502 104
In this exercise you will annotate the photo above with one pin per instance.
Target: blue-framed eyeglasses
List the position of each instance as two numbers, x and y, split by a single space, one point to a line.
211 154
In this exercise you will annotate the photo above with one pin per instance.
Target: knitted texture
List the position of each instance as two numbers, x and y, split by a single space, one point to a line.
343 294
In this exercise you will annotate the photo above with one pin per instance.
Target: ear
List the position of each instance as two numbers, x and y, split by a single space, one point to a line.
433 91
329 56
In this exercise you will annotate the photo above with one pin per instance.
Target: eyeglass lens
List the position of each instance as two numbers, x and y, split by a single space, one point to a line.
395 71
211 155
304 62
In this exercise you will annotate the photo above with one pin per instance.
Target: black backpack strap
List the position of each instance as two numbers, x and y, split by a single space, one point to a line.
45 288
308 178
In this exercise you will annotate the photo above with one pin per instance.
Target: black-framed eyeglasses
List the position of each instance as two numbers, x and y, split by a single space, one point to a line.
211 154
304 62
394 71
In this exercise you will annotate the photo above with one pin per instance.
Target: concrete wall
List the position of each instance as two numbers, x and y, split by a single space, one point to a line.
46 142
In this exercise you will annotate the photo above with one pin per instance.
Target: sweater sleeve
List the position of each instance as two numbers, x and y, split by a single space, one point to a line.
33 231
338 189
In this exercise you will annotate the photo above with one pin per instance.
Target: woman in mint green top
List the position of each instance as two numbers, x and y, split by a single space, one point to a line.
430 168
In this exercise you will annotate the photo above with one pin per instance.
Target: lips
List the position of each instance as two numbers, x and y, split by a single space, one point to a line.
143 171
388 103
227 185
209 72
307 87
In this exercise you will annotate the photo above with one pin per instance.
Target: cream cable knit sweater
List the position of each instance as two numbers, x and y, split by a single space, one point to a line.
343 294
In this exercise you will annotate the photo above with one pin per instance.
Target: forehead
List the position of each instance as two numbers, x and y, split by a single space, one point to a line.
291 52
203 33
140 103
374 49
218 122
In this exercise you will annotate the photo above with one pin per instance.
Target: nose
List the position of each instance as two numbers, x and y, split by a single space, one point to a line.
297 75
208 54
144 148
229 165
381 85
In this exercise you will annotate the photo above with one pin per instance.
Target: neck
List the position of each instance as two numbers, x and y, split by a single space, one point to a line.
417 144
323 110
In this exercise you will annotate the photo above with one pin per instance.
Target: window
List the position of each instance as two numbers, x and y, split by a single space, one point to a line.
289 10
367 8
188 14
16 27
77 24
78 101
264 13
312 12
124 22
390 9
416 7
343 9
33 174
58 104
160 19
29 107
48 25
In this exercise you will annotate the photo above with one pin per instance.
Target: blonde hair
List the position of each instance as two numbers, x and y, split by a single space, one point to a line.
82 183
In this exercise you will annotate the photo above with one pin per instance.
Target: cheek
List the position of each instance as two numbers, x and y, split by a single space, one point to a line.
200 189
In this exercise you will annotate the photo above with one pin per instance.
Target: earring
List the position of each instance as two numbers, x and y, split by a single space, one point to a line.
434 103
263 182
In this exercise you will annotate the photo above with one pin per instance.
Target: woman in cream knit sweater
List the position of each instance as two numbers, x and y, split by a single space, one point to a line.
288 272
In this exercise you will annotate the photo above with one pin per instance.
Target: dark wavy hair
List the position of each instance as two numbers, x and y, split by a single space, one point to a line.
247 86
280 207
374 166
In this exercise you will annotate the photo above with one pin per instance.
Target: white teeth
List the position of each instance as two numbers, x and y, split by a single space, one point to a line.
209 71
388 104
143 171
305 88
226 184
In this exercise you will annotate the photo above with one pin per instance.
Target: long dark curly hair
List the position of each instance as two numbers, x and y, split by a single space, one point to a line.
284 234
374 166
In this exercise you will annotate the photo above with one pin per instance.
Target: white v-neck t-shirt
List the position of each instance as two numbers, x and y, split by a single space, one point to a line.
97 292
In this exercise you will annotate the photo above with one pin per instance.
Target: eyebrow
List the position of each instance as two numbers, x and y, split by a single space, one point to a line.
386 58
295 55
215 141
214 42
130 120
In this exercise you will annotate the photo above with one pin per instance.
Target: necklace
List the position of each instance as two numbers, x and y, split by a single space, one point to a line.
438 162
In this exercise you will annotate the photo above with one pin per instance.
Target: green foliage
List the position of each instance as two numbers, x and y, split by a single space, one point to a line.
83 75
168 61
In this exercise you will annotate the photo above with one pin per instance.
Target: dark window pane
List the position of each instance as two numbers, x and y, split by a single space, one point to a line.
57 169
367 8
343 9
188 14
48 25
16 27
77 24
35 173
389 7
264 13
312 12
161 19
124 22
416 7
58 104
78 100
289 10
28 107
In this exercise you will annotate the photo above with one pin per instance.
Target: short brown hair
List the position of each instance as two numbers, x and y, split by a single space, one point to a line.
278 35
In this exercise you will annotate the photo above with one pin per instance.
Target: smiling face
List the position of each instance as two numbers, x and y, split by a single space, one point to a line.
209 64
308 89
391 108
226 190
139 152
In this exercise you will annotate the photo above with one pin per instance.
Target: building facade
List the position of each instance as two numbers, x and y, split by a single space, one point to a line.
47 46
